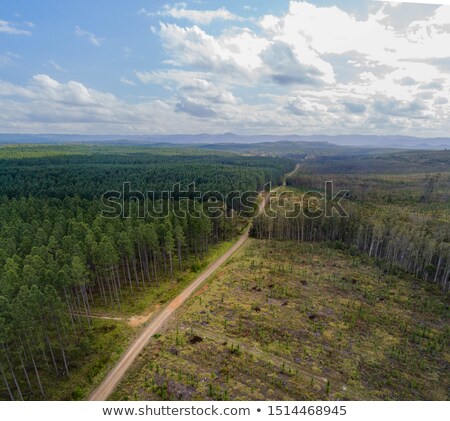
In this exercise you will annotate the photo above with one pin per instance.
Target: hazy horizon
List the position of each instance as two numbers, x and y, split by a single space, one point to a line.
205 139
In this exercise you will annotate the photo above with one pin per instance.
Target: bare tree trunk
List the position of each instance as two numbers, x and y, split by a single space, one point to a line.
36 371
127 264
6 383
142 264
171 265
86 305
12 372
25 370
62 346
179 254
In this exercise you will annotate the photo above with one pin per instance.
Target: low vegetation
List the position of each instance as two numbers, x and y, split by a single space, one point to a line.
304 321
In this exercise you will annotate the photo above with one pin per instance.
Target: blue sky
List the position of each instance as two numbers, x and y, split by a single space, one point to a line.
212 66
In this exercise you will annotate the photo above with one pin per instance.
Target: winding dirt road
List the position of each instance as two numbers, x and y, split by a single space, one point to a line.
108 385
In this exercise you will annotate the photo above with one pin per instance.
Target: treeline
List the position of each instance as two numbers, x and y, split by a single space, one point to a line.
404 189
417 244
406 162
91 173
59 258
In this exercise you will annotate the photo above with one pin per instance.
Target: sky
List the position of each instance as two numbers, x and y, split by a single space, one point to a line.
248 67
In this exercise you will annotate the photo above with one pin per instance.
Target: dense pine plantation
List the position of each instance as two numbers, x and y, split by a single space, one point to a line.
89 171
60 260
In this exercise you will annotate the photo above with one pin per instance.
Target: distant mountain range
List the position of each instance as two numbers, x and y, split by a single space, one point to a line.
397 142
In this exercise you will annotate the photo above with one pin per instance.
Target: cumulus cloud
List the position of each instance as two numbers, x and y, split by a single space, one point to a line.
194 93
286 69
189 83
394 107
442 63
195 108
407 81
308 69
93 39
234 56
299 107
44 95
47 105
354 107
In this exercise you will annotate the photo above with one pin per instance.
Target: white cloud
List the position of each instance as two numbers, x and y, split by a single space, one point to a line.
235 55
13 28
193 92
309 69
169 77
285 68
55 66
46 105
357 67
200 17
127 81
93 39
195 108
432 2
304 106
8 59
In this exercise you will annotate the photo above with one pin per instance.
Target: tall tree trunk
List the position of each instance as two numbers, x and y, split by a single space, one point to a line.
179 254
19 352
127 275
142 264
146 266
38 377
12 372
171 265
5 380
85 304
63 352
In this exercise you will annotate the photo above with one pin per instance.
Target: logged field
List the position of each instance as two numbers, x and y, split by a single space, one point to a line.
300 321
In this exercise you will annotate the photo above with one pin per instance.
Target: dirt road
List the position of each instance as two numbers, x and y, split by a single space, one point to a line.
290 174
108 385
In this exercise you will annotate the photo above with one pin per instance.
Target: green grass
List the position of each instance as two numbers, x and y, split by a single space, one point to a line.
287 321
166 289
90 361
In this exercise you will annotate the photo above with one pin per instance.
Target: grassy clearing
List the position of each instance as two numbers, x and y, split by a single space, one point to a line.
90 361
287 321
166 289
